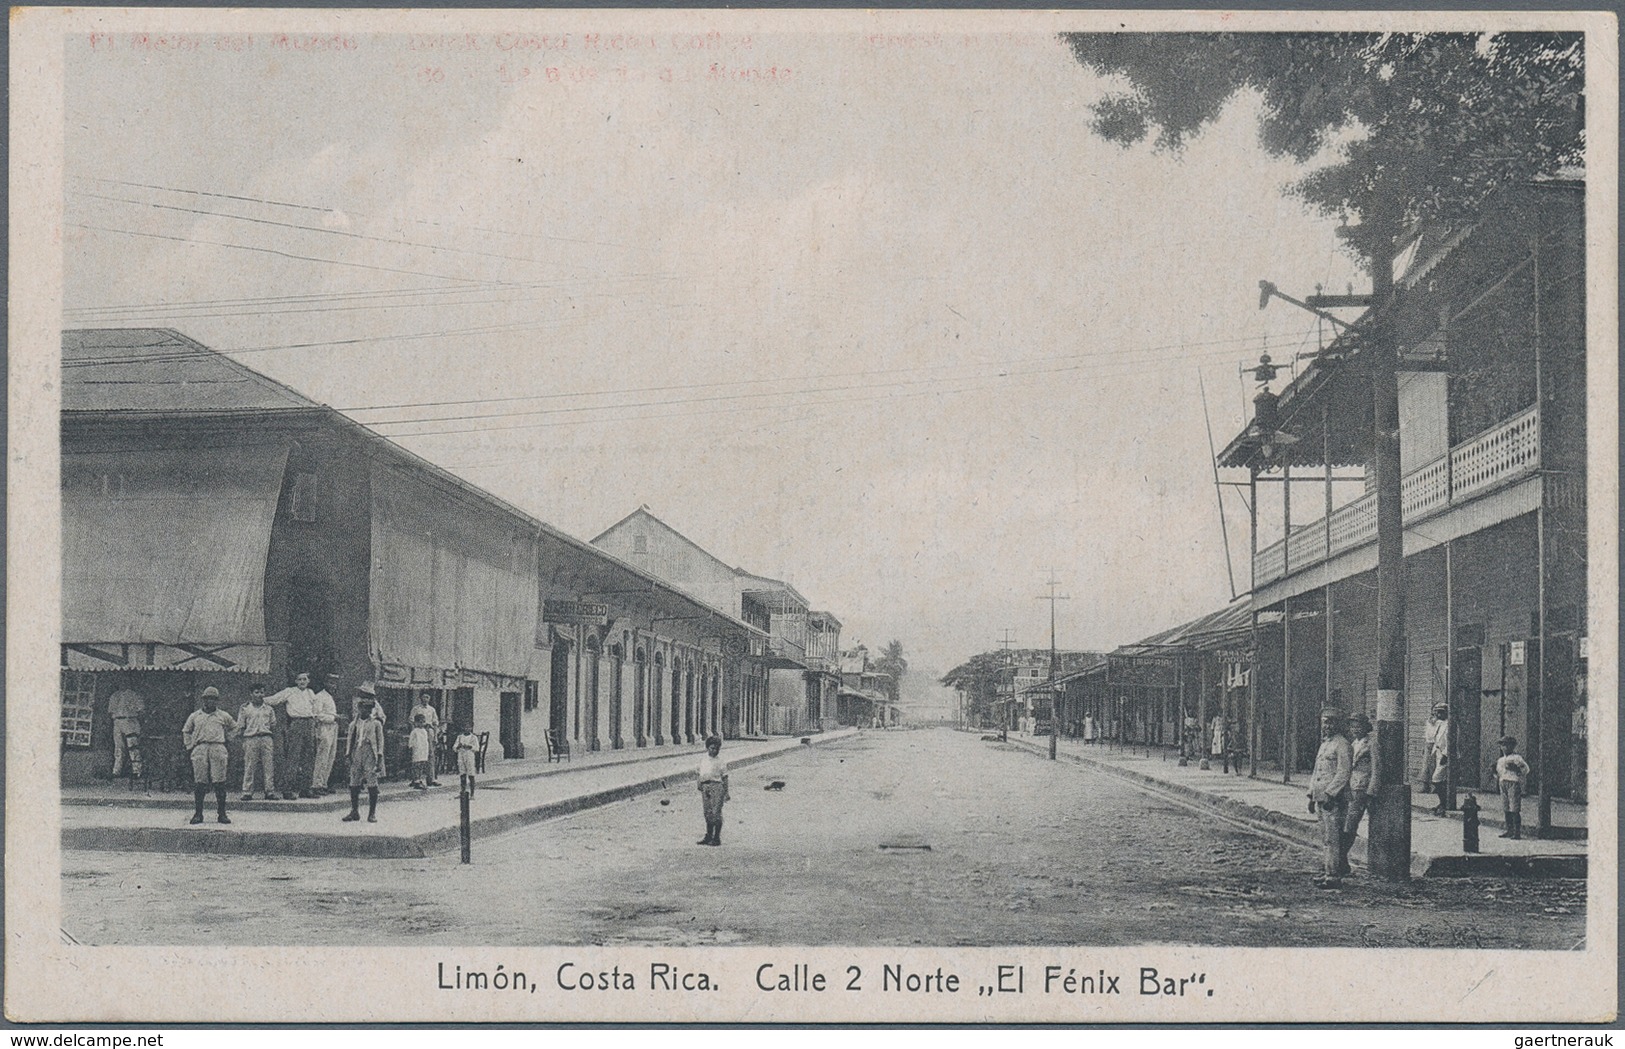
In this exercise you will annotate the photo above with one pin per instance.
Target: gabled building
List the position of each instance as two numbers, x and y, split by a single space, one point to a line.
1491 326
790 690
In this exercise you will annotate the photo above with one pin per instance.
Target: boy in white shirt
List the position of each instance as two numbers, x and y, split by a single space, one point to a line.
419 743
1511 771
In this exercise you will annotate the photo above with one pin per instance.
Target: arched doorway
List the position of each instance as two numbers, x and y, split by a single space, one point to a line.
657 680
640 699
617 675
594 668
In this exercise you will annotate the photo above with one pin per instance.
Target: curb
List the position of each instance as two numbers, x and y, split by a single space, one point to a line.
1256 817
382 846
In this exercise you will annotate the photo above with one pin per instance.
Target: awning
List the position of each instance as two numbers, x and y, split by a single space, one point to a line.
454 583
164 555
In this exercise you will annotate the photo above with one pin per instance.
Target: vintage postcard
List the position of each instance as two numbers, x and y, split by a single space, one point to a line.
812 516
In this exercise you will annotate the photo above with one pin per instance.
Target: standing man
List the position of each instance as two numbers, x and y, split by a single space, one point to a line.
326 714
298 705
1362 785
204 736
1438 743
128 707
1329 793
257 720
365 747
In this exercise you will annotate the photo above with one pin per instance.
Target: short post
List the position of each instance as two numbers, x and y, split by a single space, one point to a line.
1469 824
467 834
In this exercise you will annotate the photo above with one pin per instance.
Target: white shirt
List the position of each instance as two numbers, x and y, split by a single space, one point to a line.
301 702
325 710
713 770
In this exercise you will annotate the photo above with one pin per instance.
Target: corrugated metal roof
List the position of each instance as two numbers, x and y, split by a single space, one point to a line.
160 370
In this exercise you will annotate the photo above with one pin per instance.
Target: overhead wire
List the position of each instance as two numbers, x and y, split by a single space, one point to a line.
332 210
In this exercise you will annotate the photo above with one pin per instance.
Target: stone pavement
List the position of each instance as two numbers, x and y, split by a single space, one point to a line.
1280 809
411 823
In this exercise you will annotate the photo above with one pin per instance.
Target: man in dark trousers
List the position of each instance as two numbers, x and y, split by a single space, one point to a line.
204 736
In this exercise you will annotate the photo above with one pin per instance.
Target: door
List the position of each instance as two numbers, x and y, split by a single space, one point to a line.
558 691
1475 752
508 714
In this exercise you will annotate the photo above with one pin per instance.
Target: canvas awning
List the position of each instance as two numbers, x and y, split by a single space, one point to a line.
164 555
454 581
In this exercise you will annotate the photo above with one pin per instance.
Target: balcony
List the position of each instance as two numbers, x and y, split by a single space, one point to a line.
1504 453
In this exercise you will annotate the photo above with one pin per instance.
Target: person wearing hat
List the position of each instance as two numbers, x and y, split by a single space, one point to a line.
325 717
1511 772
1329 793
1362 785
1438 744
713 790
204 736
365 748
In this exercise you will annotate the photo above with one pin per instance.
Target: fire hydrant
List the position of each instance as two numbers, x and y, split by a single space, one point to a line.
1469 824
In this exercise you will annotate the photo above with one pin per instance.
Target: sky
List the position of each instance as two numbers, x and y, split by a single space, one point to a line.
874 313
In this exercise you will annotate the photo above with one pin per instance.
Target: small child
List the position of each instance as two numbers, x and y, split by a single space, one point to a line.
418 741
465 745
1510 772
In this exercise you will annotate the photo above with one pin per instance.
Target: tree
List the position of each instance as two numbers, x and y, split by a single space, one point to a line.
1423 126
891 662
978 679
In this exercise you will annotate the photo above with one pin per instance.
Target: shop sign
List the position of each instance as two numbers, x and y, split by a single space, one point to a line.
1149 671
1515 653
575 613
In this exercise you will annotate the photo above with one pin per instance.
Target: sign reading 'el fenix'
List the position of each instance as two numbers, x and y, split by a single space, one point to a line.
574 613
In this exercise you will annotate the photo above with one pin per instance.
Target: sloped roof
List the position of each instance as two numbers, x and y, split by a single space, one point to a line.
160 370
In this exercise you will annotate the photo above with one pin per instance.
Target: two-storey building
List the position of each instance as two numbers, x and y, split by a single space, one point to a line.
1490 325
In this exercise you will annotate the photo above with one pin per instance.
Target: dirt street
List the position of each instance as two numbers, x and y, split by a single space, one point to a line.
902 837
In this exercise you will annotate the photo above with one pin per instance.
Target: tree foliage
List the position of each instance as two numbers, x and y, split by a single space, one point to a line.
1424 126
891 661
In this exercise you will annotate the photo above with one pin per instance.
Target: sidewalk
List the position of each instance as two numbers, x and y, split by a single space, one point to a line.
1280 809
411 823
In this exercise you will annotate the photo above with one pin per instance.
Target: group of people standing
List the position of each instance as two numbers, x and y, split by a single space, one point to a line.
308 724
1344 784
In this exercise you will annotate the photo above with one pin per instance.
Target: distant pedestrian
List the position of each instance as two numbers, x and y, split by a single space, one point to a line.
325 715
127 707
1362 785
298 705
1217 737
204 736
365 747
417 741
466 745
713 790
1438 744
1091 731
257 722
1328 794
1511 773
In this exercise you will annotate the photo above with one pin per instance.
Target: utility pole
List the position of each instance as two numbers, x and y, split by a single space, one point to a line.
1054 660
1390 827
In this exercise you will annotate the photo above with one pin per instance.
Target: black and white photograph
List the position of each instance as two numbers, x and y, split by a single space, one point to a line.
804 517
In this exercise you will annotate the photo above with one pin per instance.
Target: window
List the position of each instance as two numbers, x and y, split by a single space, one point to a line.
78 707
640 544
302 500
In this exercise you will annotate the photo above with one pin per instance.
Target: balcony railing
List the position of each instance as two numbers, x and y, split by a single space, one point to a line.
1503 453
